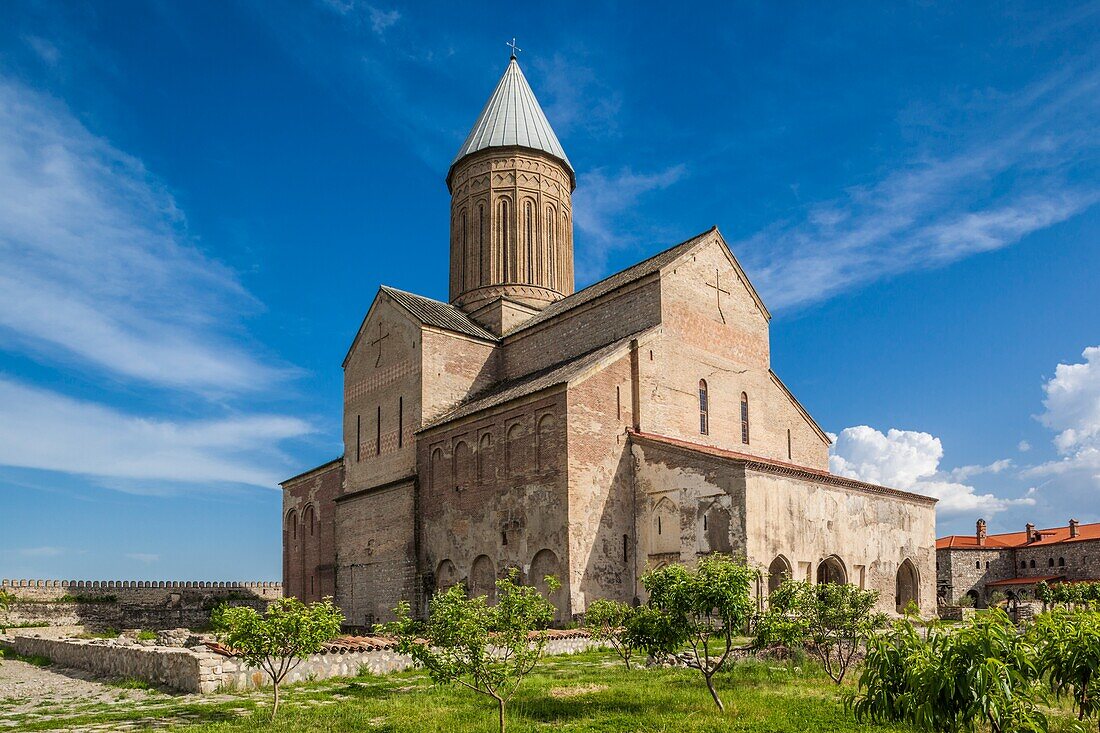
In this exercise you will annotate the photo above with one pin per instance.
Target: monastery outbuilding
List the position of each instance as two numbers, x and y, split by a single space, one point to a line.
586 434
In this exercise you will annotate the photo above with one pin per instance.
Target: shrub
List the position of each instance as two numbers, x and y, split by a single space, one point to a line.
978 673
832 619
488 649
967 601
276 641
606 621
1069 656
696 607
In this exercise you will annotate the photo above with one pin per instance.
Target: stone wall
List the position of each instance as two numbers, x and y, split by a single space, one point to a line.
309 532
199 669
128 604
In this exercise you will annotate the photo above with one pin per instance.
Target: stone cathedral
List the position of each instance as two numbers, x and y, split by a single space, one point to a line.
590 434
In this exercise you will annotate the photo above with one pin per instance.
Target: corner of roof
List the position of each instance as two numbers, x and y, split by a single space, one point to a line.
362 324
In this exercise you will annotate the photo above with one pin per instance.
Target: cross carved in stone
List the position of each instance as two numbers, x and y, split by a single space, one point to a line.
718 290
378 342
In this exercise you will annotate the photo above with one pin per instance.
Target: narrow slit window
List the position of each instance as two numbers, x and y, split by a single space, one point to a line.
744 418
378 433
625 548
789 453
400 421
704 408
618 403
358 437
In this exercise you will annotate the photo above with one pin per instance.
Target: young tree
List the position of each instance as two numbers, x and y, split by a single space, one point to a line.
489 649
276 641
1069 657
832 619
709 604
606 621
979 673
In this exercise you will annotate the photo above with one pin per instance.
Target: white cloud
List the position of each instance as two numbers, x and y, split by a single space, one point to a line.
98 266
1023 446
1015 176
962 473
43 430
380 20
44 551
909 460
599 205
145 558
1072 409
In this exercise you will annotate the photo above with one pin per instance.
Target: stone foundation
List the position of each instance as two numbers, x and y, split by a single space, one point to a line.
199 669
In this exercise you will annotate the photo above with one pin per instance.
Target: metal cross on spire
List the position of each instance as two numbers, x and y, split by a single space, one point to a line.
513 46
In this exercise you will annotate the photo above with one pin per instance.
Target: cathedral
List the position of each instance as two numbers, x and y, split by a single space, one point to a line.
588 434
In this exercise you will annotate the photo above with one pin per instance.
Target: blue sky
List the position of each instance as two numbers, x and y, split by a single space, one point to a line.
198 201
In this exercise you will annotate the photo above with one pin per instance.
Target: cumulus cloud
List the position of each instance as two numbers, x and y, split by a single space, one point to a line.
1023 446
910 460
1072 410
98 267
43 430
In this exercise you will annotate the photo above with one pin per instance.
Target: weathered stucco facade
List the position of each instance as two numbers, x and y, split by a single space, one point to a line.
589 435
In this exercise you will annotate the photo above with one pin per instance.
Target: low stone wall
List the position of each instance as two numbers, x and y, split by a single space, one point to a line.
198 669
171 668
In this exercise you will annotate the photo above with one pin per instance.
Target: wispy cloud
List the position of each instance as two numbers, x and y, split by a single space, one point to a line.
145 558
600 203
43 430
98 266
380 19
1024 168
44 551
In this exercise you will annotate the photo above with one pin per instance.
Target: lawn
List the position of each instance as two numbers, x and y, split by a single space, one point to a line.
586 692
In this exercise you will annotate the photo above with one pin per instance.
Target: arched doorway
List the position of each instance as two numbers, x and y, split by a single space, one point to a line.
778 571
831 570
907 586
544 563
483 577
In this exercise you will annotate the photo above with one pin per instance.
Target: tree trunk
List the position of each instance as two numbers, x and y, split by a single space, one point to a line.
500 702
275 707
714 694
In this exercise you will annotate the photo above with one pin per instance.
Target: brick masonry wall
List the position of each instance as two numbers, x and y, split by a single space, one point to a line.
494 496
309 532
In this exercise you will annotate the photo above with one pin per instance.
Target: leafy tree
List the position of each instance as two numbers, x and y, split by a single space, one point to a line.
1069 656
832 619
277 640
701 608
606 621
981 672
489 649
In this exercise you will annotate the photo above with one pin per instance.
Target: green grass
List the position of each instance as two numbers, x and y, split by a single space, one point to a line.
37 661
147 636
585 693
132 683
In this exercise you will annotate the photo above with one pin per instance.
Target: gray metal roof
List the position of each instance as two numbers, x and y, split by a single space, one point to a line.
437 313
512 116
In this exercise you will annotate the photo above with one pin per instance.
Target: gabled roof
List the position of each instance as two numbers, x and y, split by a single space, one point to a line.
436 313
429 312
612 282
1005 540
552 376
513 117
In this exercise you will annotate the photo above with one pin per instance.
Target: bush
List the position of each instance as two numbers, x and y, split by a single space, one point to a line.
488 649
1069 656
832 619
697 608
276 641
606 621
978 673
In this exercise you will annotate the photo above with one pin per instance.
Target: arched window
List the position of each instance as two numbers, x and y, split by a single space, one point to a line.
778 571
465 250
485 465
502 223
744 418
1023 565
307 520
292 524
1032 563
978 565
704 408
1061 562
529 229
1050 563
483 245
551 243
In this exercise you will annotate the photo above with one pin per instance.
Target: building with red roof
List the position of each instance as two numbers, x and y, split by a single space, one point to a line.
1013 563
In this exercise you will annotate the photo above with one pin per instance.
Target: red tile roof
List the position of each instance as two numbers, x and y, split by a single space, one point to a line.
1028 581
1051 536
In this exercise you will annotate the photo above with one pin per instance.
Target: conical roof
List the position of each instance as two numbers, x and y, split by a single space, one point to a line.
513 117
